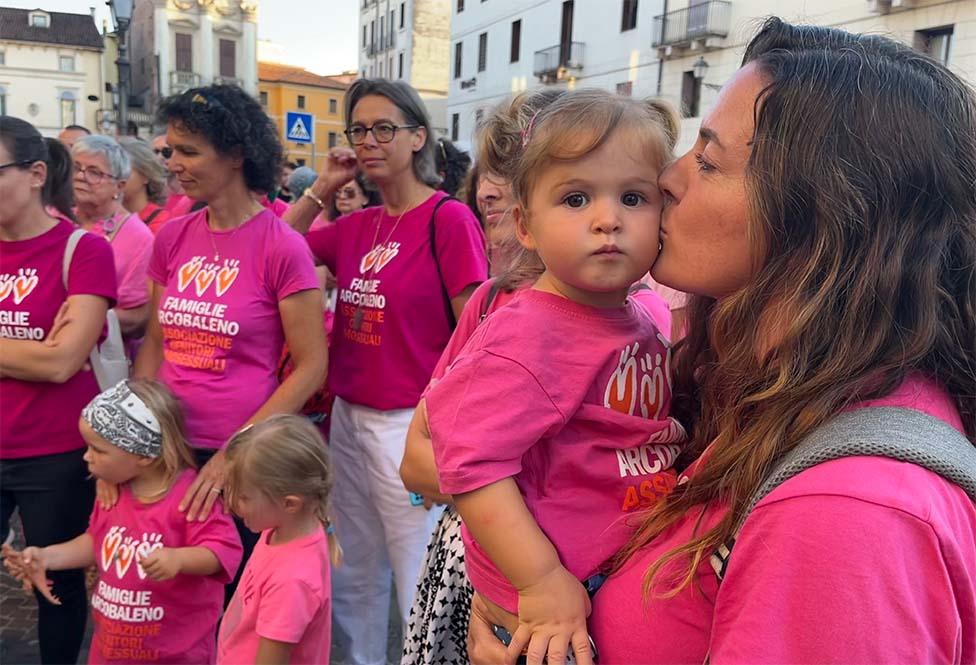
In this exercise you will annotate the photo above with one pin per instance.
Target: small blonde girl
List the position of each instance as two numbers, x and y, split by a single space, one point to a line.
545 478
161 578
280 478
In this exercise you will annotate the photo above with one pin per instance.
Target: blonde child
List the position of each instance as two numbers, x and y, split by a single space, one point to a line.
544 479
161 579
280 480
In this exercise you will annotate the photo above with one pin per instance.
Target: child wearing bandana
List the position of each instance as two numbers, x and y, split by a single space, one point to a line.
160 588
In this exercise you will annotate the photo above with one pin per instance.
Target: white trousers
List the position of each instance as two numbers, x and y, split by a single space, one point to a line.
379 530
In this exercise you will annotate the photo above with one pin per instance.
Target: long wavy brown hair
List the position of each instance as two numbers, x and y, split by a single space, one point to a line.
862 190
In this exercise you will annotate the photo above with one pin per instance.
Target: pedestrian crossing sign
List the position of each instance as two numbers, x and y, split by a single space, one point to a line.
299 127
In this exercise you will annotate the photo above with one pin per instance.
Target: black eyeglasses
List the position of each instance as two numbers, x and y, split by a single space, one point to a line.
383 132
166 152
23 162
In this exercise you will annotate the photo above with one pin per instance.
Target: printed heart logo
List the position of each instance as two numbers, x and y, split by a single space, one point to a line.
621 392
203 280
369 259
23 286
386 256
6 288
226 277
126 553
147 546
187 272
110 545
652 394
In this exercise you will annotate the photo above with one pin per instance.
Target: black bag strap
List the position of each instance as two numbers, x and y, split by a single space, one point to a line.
492 292
155 213
452 320
896 433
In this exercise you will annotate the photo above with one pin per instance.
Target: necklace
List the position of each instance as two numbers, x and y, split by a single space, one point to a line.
211 233
357 317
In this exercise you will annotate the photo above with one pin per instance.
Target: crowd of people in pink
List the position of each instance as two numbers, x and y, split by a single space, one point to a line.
534 406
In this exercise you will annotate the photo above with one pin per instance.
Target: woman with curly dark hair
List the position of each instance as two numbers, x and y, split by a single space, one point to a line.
231 284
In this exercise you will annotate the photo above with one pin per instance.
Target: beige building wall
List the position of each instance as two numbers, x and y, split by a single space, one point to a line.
903 20
36 88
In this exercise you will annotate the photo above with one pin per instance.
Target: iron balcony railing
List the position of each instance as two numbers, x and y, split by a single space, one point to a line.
229 80
180 81
549 61
683 26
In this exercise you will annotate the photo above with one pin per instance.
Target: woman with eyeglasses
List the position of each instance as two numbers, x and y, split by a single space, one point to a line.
231 284
44 383
101 170
146 189
404 271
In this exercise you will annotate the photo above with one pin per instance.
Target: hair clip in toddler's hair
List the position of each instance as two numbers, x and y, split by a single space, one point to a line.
527 132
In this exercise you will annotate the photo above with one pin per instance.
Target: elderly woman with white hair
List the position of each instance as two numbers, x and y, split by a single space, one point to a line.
101 170
146 189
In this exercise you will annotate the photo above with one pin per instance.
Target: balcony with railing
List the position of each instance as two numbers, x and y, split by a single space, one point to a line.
698 23
181 81
229 80
386 42
556 62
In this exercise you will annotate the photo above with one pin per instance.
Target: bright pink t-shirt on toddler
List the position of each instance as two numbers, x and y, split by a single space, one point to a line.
222 332
139 620
384 267
582 425
284 595
38 418
857 560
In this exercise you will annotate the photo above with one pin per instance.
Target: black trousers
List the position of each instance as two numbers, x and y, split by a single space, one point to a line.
248 538
55 496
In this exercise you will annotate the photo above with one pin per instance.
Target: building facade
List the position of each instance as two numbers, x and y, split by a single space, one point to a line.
651 47
51 69
713 34
408 40
174 45
282 88
502 47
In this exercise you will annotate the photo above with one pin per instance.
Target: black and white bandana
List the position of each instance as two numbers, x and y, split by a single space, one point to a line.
121 418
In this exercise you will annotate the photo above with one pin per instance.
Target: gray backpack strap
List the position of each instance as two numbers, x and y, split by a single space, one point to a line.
900 434
69 252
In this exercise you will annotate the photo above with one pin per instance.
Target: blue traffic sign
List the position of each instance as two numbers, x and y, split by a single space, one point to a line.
299 127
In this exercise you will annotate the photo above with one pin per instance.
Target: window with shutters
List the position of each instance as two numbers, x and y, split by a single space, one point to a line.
184 52
628 21
516 41
482 51
228 58
457 60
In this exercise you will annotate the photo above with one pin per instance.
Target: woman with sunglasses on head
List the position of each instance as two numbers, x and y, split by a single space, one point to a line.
399 296
44 383
101 171
231 284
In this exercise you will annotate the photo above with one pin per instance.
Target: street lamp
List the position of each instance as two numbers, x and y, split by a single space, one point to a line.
121 17
700 68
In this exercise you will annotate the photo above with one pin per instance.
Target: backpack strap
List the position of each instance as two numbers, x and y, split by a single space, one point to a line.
492 292
69 252
452 320
896 433
153 215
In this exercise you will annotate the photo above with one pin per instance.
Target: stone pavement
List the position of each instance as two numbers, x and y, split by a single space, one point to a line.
18 622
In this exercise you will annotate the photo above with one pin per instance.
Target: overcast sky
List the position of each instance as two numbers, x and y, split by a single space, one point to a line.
319 35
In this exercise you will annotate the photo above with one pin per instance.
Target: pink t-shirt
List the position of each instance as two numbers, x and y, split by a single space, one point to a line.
132 247
386 360
138 620
222 332
858 560
284 595
469 321
42 418
590 395
178 205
